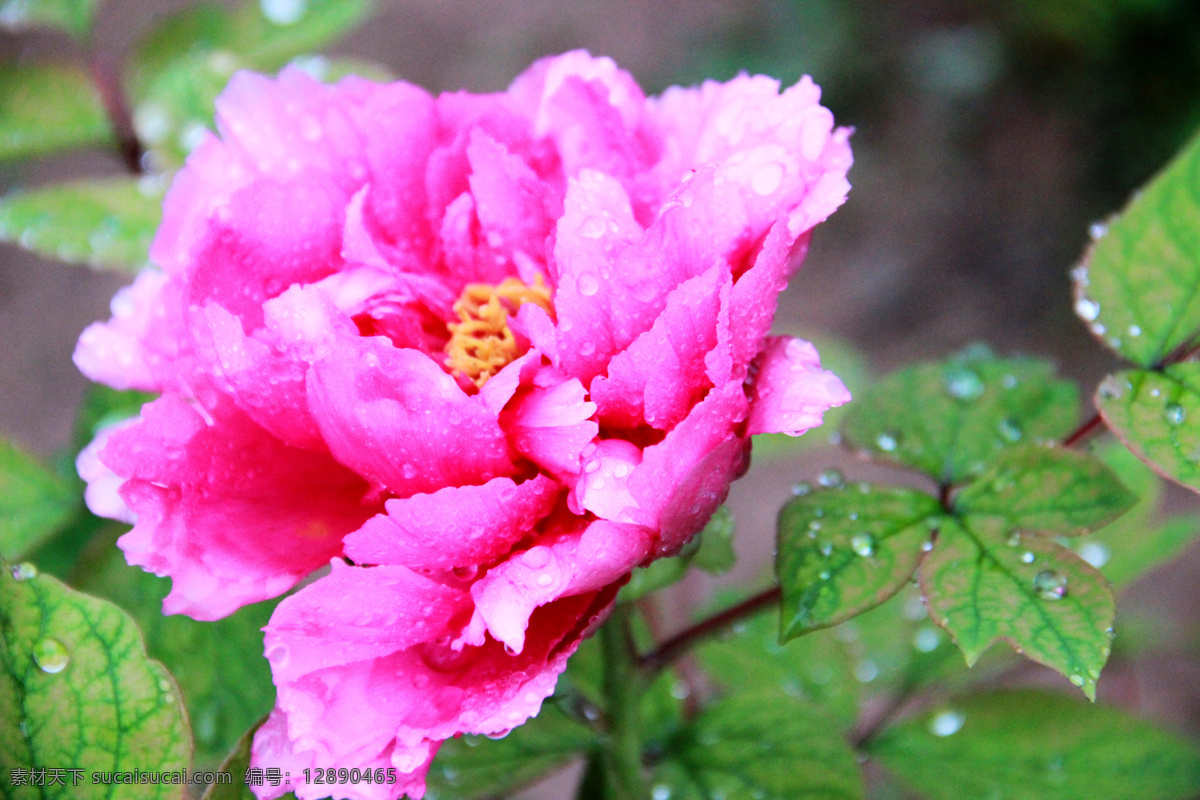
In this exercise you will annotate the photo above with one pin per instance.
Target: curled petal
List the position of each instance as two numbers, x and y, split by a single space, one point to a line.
791 391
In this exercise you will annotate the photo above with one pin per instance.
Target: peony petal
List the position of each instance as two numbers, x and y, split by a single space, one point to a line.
791 391
458 526
551 425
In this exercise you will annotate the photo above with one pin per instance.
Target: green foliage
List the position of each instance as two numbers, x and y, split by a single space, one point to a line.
34 502
843 551
1037 746
1138 285
72 16
1046 490
102 223
44 109
984 583
1156 414
77 690
236 765
220 668
477 767
711 550
950 419
180 68
763 745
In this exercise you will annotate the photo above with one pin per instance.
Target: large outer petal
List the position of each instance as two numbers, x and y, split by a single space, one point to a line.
217 512
791 391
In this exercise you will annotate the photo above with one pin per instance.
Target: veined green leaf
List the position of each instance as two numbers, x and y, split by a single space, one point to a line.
1157 416
843 551
951 419
1047 489
476 767
219 665
72 16
763 745
1139 284
48 108
1026 745
983 583
102 223
78 691
34 502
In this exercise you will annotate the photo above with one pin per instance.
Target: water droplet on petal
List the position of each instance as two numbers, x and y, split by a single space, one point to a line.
50 655
588 284
1050 585
947 723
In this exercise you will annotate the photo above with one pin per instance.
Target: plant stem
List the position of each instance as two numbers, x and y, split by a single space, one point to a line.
1082 432
622 694
681 642
116 104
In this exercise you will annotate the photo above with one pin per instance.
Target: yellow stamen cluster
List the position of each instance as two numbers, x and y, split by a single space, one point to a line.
481 343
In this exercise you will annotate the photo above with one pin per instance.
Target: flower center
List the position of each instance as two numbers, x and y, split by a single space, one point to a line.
481 343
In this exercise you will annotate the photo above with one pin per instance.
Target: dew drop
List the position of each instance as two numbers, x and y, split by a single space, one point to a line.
588 284
865 671
801 489
1009 381
1076 679
826 549
886 442
283 12
409 471
50 655
661 792
824 575
1095 553
1111 389
1050 585
1087 309
1010 429
1014 539
863 544
832 479
24 571
1097 231
1176 414
23 727
947 723
926 639
1135 331
963 383
1028 557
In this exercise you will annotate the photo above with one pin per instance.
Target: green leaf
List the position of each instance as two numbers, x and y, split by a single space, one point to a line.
102 223
180 68
78 691
763 745
72 16
715 553
48 108
476 767
1135 543
983 583
1157 416
843 551
236 765
657 575
1025 745
34 502
950 419
1047 489
220 667
1139 284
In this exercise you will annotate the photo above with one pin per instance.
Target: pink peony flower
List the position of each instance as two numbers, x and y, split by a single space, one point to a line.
484 354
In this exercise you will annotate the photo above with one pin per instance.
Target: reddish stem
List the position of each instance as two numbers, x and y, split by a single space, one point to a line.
116 105
1083 431
681 642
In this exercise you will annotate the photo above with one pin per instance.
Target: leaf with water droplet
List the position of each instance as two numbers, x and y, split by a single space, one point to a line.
72 16
981 590
1045 489
473 767
947 417
219 665
1144 274
79 679
760 744
106 224
1158 418
831 578
44 109
1027 745
34 502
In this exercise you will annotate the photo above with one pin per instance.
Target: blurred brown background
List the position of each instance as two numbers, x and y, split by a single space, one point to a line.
989 135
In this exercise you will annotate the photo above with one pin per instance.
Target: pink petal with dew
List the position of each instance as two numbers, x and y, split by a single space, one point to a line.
510 199
551 425
136 349
273 748
217 514
663 373
791 391
396 417
102 495
559 565
459 526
